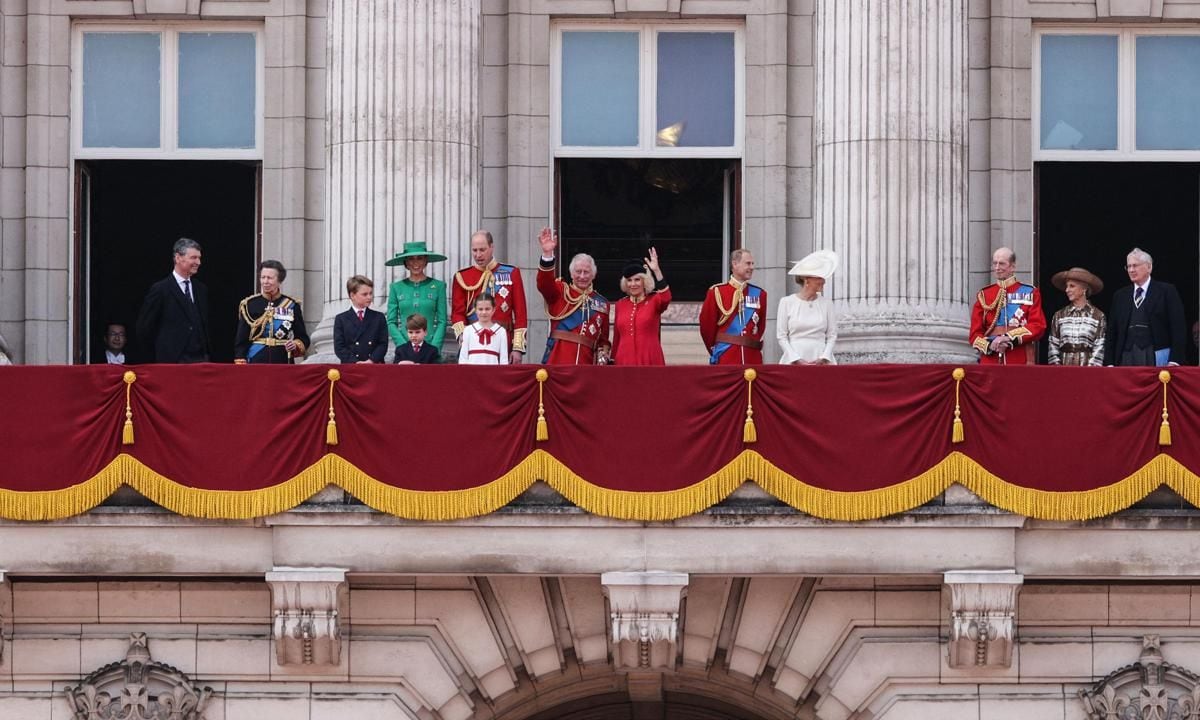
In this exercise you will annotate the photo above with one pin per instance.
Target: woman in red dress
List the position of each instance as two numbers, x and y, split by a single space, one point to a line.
636 323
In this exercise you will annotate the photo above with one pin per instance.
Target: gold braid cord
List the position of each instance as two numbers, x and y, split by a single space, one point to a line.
956 434
573 303
127 430
749 432
739 291
1164 430
995 307
331 431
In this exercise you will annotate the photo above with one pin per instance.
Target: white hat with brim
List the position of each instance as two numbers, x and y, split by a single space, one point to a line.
821 263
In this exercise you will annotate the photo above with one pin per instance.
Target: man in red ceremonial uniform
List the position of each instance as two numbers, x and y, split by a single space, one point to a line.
578 314
497 279
1007 318
734 316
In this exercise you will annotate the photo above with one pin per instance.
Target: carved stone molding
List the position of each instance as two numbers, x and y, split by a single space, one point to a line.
305 605
644 609
1149 689
983 611
137 688
1129 9
182 8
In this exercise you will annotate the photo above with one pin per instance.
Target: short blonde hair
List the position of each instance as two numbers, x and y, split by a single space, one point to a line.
647 283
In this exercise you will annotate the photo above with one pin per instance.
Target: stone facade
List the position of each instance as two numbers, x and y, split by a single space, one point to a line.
331 612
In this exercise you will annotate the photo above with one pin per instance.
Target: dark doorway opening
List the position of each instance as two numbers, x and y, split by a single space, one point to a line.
132 212
616 209
1091 215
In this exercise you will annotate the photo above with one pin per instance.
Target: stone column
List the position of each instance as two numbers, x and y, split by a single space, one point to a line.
402 143
890 176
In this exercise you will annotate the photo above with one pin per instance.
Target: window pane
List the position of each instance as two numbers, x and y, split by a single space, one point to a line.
600 88
121 90
216 90
1168 93
1079 92
695 89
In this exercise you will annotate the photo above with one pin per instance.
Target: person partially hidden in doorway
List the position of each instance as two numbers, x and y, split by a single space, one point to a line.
270 324
173 321
115 339
1146 325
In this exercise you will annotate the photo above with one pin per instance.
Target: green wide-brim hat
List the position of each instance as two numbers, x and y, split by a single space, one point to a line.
415 249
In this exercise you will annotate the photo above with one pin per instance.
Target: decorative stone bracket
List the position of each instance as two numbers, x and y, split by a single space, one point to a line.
305 604
644 609
138 687
983 610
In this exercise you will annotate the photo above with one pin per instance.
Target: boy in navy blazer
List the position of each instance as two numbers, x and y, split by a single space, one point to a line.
360 333
416 351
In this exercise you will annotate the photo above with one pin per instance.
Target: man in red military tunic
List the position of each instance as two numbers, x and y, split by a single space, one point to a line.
501 281
734 316
578 314
1007 318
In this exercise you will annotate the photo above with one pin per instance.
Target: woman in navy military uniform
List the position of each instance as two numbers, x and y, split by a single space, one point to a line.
270 324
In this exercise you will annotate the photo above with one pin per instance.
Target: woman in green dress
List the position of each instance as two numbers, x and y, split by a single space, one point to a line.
417 293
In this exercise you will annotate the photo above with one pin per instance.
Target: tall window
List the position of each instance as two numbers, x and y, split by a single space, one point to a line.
162 91
1110 94
648 135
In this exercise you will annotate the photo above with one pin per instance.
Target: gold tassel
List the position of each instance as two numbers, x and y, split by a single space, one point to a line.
1164 430
331 436
749 433
127 431
543 430
956 434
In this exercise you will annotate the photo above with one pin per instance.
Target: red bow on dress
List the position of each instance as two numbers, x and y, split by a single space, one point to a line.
485 337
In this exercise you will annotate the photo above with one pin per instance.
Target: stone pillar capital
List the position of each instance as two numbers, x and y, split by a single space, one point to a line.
644 611
983 611
305 604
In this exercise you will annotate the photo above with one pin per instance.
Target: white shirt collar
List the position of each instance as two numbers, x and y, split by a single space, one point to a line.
114 359
355 310
179 279
1145 286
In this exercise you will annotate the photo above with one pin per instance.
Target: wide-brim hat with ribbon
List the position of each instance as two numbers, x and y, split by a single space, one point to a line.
1077 274
821 263
415 249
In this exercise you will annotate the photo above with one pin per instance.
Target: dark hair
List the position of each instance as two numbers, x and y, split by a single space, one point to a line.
485 297
273 265
416 321
182 245
356 282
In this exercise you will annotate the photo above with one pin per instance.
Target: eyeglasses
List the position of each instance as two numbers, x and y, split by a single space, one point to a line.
1131 266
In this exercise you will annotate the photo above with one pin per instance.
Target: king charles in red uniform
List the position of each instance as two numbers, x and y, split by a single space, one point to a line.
578 314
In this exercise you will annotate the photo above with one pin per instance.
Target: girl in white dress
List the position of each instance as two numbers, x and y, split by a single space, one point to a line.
805 324
484 342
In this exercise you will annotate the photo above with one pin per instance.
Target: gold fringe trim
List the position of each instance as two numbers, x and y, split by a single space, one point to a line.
628 505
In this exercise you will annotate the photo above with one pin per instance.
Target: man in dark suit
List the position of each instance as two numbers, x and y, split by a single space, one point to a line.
360 334
114 339
1145 323
173 322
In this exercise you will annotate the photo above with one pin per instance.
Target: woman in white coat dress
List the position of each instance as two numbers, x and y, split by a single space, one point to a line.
805 323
